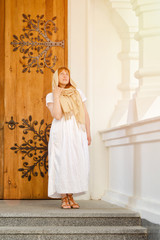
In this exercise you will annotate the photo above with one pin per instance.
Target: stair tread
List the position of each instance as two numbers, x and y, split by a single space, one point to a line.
51 208
73 230
70 215
53 212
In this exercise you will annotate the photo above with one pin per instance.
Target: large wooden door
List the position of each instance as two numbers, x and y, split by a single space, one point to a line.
35 44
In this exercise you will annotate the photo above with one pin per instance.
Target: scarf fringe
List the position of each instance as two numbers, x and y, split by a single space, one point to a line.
68 115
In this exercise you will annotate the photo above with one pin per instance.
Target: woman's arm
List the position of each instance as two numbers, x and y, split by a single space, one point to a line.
55 107
87 124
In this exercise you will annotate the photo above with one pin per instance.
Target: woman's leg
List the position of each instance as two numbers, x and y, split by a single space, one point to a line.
72 203
63 195
65 203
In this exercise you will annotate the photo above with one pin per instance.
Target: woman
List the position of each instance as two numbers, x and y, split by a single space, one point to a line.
68 157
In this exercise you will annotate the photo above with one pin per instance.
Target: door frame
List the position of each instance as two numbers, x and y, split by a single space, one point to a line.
2 77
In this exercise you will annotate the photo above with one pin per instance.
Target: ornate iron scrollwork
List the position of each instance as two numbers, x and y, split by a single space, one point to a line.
36 45
11 124
35 149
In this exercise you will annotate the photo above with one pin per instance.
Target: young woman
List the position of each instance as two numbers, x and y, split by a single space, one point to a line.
68 157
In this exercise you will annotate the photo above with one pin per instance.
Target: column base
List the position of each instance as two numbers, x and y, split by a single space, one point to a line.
120 114
147 107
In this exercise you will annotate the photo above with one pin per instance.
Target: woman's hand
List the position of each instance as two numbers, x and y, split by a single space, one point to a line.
89 139
57 92
87 124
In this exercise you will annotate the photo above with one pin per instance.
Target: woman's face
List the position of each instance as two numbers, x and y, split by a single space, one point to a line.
63 78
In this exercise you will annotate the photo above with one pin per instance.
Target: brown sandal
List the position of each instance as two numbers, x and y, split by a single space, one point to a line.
65 203
72 203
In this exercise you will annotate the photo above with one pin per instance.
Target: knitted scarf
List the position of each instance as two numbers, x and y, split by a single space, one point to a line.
71 102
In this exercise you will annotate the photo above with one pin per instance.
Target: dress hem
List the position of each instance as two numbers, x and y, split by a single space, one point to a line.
58 195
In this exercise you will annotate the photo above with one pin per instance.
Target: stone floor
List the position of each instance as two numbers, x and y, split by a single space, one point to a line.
51 207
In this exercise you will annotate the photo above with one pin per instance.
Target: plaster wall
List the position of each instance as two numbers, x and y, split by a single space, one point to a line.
93 47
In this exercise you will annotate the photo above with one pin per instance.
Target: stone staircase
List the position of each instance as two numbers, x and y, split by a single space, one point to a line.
45 220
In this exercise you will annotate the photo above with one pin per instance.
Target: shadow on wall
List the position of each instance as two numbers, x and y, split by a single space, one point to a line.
153 230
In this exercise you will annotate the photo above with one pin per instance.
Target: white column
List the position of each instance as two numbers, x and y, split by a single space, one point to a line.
148 95
125 21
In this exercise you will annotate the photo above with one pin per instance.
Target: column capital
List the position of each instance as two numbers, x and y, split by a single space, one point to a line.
141 6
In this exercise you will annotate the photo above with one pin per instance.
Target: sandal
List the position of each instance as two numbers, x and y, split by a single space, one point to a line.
72 203
65 203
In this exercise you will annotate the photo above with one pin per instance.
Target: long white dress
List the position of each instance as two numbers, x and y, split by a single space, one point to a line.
68 156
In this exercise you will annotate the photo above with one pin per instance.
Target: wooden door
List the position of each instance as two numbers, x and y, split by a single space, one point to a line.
34 40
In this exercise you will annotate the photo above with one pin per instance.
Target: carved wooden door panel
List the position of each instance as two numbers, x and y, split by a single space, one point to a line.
35 45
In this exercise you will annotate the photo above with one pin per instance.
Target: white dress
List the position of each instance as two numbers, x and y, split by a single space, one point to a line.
68 156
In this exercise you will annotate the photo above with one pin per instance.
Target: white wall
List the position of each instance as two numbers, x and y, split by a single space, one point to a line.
93 48
105 45
77 46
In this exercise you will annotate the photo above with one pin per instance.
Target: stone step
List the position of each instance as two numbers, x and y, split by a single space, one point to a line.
73 233
70 221
74 219
49 213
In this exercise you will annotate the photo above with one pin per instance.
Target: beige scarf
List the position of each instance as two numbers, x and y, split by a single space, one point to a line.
71 102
